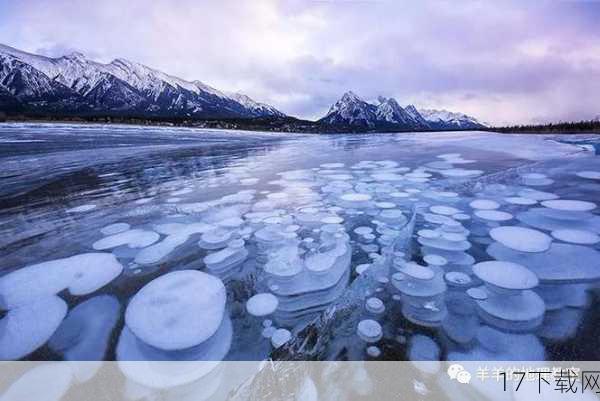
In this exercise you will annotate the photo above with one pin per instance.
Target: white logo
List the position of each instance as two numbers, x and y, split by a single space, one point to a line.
458 373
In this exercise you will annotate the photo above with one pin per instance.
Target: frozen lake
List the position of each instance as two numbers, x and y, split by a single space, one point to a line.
134 243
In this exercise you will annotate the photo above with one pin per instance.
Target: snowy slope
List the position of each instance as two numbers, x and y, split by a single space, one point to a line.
120 85
444 119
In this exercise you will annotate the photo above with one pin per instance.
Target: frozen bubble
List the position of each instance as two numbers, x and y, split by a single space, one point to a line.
332 220
516 200
536 179
26 328
385 205
81 274
373 351
426 233
444 244
93 322
155 253
453 237
505 275
573 236
536 195
268 331
399 195
435 260
360 269
493 215
177 310
262 304
461 216
425 353
417 271
387 177
484 204
521 238
436 218
477 293
215 239
592 175
460 173
375 305
363 230
569 205
81 209
444 210
226 258
135 238
115 228
457 279
562 263
355 197
146 365
369 330
280 337
43 382
524 309
392 216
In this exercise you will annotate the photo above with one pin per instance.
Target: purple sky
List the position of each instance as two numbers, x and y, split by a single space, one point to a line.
500 61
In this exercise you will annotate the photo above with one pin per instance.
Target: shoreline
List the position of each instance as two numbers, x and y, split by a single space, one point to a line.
234 125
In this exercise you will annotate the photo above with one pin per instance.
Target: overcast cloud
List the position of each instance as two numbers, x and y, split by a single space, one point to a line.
500 61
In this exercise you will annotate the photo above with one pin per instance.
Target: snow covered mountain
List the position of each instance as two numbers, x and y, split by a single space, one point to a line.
443 119
75 84
353 112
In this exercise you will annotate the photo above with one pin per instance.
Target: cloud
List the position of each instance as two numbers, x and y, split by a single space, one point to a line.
503 62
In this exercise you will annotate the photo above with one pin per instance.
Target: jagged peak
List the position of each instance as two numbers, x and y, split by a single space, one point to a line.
351 96
78 56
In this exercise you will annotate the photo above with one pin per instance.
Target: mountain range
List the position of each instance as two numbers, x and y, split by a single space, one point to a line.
74 85
387 114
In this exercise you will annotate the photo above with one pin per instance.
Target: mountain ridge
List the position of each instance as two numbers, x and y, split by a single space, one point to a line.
37 83
352 111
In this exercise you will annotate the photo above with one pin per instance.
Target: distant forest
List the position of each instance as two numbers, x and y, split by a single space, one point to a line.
285 124
574 127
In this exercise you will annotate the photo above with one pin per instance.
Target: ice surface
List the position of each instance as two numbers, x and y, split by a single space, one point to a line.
82 208
28 327
177 310
81 274
521 238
